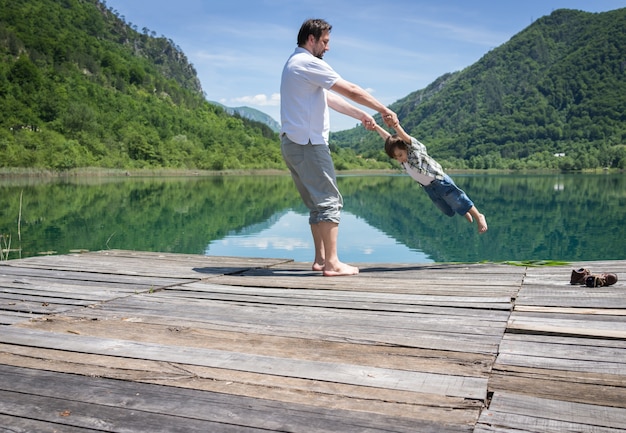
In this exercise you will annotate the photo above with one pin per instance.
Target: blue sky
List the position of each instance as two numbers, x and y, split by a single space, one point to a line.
391 48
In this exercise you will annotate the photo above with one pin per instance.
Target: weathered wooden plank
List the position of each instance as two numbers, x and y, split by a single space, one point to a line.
356 303
335 298
231 326
566 376
69 288
147 264
562 273
460 386
10 269
168 300
592 388
15 424
167 303
112 404
570 310
537 286
423 305
530 413
605 367
613 297
44 295
588 326
44 300
33 307
433 284
560 339
482 428
512 423
406 404
12 317
193 259
564 350
328 324
64 412
556 352
410 270
487 324
378 355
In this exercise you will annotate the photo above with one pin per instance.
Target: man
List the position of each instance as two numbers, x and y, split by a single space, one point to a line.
309 86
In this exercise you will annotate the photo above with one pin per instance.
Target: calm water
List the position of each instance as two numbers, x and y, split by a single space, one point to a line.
387 218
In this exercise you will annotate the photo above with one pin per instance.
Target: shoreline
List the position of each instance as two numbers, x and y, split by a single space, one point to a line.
7 173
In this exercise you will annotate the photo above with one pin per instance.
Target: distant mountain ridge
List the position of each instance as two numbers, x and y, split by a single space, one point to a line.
252 114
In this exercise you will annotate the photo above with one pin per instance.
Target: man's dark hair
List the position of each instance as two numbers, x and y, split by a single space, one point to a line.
315 27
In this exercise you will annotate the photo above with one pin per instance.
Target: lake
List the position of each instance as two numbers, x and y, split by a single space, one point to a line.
387 218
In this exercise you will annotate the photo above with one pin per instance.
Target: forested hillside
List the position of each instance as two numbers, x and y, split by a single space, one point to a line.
79 87
556 88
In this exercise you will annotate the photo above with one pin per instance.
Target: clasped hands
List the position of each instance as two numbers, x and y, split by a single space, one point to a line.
390 118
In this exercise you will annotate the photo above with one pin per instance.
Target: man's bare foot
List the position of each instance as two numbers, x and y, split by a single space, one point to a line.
341 270
317 267
482 223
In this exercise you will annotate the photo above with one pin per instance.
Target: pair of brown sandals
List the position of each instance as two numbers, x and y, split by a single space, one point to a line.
584 276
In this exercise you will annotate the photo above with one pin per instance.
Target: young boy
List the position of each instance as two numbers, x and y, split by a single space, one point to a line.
441 189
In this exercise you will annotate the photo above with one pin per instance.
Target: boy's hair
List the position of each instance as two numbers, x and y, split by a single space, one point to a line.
315 27
394 142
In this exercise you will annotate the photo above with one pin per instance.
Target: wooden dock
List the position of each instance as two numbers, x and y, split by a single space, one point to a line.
122 341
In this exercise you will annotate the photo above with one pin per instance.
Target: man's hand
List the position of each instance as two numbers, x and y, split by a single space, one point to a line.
390 118
368 122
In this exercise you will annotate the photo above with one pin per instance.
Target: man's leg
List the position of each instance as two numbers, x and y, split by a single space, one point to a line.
318 263
313 172
328 232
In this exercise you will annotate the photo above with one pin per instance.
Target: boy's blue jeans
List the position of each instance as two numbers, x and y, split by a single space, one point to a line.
448 197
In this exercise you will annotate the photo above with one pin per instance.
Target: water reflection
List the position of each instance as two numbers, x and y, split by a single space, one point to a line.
290 237
570 217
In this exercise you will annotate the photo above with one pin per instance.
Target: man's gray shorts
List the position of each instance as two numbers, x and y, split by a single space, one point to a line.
313 173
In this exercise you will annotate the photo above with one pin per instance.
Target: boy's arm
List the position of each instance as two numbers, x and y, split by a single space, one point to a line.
402 133
383 133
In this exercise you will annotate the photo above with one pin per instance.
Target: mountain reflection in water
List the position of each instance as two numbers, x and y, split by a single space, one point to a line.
289 237
386 218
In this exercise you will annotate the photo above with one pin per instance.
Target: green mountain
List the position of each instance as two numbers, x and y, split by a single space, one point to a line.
556 88
79 87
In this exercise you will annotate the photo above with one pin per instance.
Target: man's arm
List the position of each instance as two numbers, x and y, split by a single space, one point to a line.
360 96
342 106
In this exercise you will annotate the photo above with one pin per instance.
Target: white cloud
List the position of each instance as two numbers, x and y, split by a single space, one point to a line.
260 100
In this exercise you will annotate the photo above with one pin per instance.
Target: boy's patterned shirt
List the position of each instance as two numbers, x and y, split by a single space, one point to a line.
419 159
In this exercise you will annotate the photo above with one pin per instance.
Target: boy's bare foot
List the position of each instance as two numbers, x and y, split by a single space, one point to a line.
317 267
341 270
482 223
